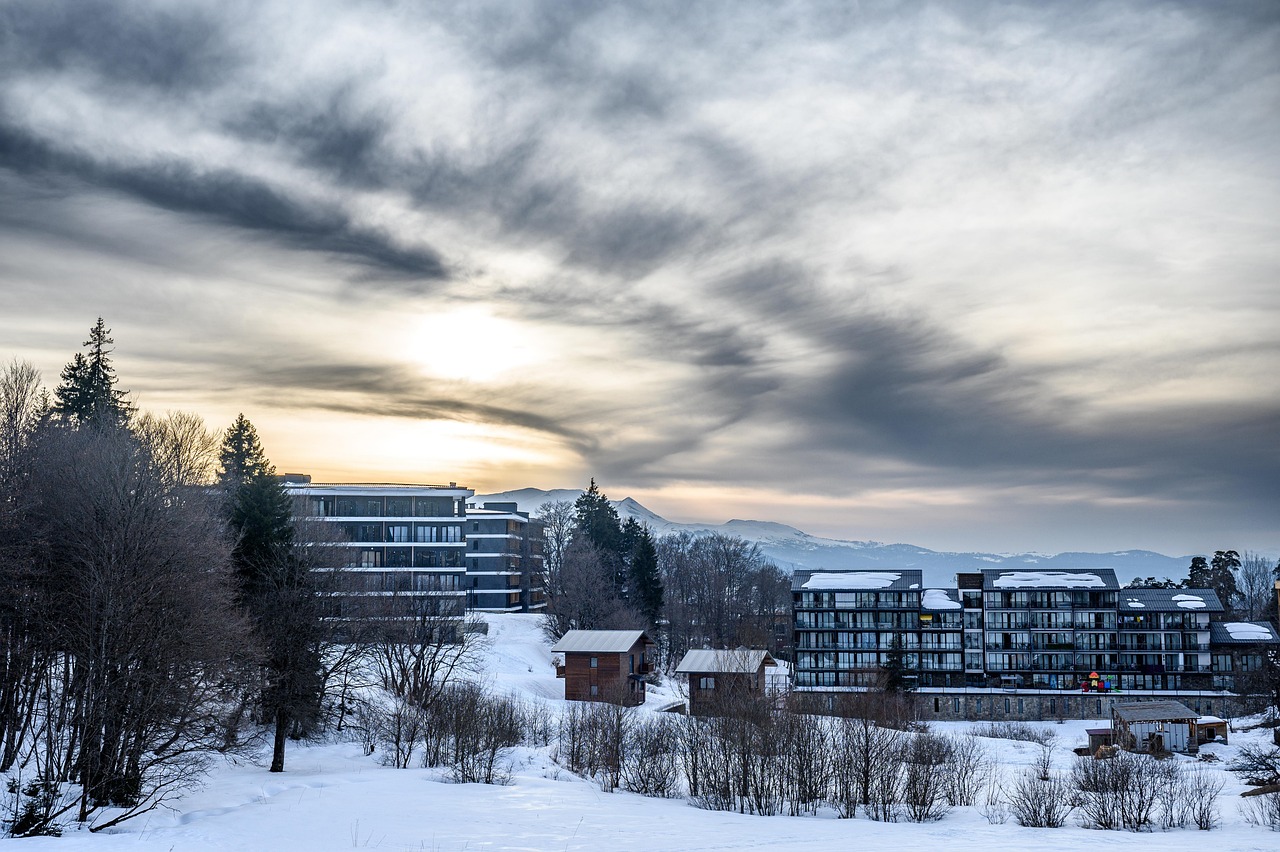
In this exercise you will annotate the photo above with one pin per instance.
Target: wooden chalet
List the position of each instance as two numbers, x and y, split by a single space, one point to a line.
604 665
716 677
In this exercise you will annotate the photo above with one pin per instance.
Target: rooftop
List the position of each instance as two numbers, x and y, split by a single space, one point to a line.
1242 633
1000 579
1155 711
1169 600
600 641
741 661
844 581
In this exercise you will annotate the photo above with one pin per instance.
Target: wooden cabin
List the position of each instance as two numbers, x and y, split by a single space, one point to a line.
604 665
1153 726
717 677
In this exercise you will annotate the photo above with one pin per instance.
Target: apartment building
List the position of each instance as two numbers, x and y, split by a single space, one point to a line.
405 544
504 560
999 630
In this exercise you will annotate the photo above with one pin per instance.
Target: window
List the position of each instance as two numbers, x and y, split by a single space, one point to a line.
706 683
1020 705
978 703
593 662
595 690
1053 706
1006 706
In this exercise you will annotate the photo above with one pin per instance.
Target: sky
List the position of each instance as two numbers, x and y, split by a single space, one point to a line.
973 276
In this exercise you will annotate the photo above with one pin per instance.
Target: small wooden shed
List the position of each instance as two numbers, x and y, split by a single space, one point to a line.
1153 726
718 676
604 665
1209 729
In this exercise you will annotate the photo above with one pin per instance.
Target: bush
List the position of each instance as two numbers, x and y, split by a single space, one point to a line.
1262 810
1019 731
1038 802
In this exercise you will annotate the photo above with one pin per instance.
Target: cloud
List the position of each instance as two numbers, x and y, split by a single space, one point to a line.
985 249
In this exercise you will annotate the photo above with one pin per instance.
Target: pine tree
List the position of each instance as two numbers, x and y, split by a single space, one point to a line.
1222 577
646 578
242 457
274 585
88 394
595 518
895 668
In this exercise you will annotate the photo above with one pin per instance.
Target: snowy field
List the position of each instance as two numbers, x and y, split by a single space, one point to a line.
335 797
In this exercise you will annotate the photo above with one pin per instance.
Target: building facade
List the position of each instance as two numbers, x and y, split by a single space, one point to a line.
415 549
504 559
1005 632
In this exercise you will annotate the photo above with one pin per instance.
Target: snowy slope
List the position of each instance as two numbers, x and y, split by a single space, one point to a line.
791 548
334 797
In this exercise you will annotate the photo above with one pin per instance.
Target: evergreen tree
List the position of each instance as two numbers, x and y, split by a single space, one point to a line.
88 393
646 577
1222 577
895 668
1198 574
242 458
275 586
595 518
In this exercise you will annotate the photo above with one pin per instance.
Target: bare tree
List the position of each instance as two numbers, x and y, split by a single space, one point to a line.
582 595
1256 587
557 532
185 449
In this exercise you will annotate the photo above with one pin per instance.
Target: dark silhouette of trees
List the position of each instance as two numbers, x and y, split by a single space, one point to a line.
88 394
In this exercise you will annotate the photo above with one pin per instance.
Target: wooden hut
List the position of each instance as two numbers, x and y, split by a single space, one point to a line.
717 677
1153 726
604 665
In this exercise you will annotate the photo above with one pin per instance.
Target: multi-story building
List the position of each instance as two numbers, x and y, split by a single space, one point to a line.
1002 632
504 559
405 544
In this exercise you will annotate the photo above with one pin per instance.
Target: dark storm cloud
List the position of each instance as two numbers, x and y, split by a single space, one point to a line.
224 195
119 43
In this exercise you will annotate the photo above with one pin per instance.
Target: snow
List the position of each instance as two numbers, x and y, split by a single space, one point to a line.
852 580
1190 601
937 599
334 797
1039 579
1135 603
1210 720
1245 630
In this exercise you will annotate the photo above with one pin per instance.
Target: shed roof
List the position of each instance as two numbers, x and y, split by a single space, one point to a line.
600 641
741 661
1156 711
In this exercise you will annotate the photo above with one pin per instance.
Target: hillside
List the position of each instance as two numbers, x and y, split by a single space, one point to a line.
334 796
792 548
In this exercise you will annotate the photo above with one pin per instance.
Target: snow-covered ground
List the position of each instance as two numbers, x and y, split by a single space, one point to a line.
335 797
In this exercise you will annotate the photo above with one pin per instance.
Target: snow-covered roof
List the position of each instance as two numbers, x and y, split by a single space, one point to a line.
856 580
741 661
1091 578
1169 600
1155 711
937 599
1210 720
1241 633
600 641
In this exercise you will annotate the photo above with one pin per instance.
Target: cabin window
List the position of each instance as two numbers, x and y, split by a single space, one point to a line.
633 664
706 683
595 690
594 662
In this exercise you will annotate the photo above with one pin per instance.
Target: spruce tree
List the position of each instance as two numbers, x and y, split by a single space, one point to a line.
88 394
646 579
895 668
274 585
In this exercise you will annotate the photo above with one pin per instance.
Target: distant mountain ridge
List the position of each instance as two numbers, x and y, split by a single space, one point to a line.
791 548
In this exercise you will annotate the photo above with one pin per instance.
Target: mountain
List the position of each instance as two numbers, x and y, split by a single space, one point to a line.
791 548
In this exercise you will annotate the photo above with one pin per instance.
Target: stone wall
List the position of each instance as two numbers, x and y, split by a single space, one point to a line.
1042 705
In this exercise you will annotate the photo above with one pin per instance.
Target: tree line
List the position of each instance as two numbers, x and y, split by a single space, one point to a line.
157 605
1244 584
690 591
